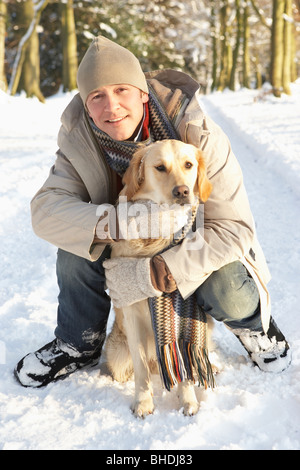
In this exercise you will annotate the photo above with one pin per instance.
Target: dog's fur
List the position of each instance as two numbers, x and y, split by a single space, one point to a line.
153 174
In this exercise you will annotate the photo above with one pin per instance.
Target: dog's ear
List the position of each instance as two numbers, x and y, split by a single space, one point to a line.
134 175
204 185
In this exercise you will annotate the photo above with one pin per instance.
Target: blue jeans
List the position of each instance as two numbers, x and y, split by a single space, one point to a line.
83 304
229 295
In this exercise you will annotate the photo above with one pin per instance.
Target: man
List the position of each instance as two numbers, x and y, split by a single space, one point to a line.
117 108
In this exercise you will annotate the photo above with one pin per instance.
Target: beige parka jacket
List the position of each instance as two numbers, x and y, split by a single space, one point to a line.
64 209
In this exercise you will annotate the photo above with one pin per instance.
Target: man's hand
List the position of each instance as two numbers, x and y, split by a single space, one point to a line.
129 280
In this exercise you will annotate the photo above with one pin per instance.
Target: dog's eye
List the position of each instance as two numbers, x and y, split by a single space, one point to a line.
188 165
161 168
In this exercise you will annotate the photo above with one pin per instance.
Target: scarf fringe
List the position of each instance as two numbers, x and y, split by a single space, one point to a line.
184 361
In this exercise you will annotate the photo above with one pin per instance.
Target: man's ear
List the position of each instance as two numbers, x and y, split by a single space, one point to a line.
204 185
145 97
134 175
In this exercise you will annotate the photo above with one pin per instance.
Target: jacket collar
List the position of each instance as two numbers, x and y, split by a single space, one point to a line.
174 79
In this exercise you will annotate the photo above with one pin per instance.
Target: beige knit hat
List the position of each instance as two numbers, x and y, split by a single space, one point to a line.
107 63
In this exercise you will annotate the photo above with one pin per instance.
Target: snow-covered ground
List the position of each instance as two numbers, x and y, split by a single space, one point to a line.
248 409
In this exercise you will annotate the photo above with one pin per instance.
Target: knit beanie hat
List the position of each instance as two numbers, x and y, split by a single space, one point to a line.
107 63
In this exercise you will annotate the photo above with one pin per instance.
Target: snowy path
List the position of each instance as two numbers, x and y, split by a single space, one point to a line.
248 410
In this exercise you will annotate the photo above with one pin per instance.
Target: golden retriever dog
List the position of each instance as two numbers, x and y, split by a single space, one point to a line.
165 172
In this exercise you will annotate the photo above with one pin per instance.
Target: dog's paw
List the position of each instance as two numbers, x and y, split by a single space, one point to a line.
142 408
123 375
187 398
190 408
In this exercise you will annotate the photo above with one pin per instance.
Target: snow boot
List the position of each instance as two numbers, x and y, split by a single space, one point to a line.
54 361
269 351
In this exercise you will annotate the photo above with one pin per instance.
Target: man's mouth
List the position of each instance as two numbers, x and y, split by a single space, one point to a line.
119 119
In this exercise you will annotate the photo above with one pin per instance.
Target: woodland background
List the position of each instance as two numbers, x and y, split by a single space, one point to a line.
221 43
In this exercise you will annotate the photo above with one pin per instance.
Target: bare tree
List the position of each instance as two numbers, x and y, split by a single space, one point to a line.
215 42
226 49
287 47
235 56
281 43
26 69
69 43
246 54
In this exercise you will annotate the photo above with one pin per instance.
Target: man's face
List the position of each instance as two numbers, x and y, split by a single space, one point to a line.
117 110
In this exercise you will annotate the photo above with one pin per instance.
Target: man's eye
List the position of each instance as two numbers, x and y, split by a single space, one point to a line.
161 168
188 165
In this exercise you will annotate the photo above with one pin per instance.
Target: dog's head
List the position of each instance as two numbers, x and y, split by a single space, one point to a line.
168 171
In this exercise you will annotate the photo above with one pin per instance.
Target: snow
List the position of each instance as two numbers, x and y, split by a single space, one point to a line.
88 411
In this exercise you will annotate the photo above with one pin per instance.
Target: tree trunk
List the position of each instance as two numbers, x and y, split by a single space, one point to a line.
213 29
69 43
294 74
287 53
277 47
226 50
258 75
3 11
246 55
235 56
26 69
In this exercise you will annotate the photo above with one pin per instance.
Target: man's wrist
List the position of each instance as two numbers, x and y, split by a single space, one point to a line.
161 276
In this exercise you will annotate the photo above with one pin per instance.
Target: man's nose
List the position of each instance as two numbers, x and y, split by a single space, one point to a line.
111 103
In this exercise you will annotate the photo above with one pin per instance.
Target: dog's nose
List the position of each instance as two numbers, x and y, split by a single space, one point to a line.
181 191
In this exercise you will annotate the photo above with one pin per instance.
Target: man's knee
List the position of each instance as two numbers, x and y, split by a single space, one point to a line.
229 294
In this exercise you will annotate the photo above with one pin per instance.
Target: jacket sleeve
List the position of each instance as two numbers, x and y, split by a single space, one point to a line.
228 229
61 210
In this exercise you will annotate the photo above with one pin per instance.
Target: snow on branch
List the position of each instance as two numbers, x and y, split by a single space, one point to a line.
261 15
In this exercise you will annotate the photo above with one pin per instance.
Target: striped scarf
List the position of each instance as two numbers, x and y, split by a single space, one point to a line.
180 330
179 325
